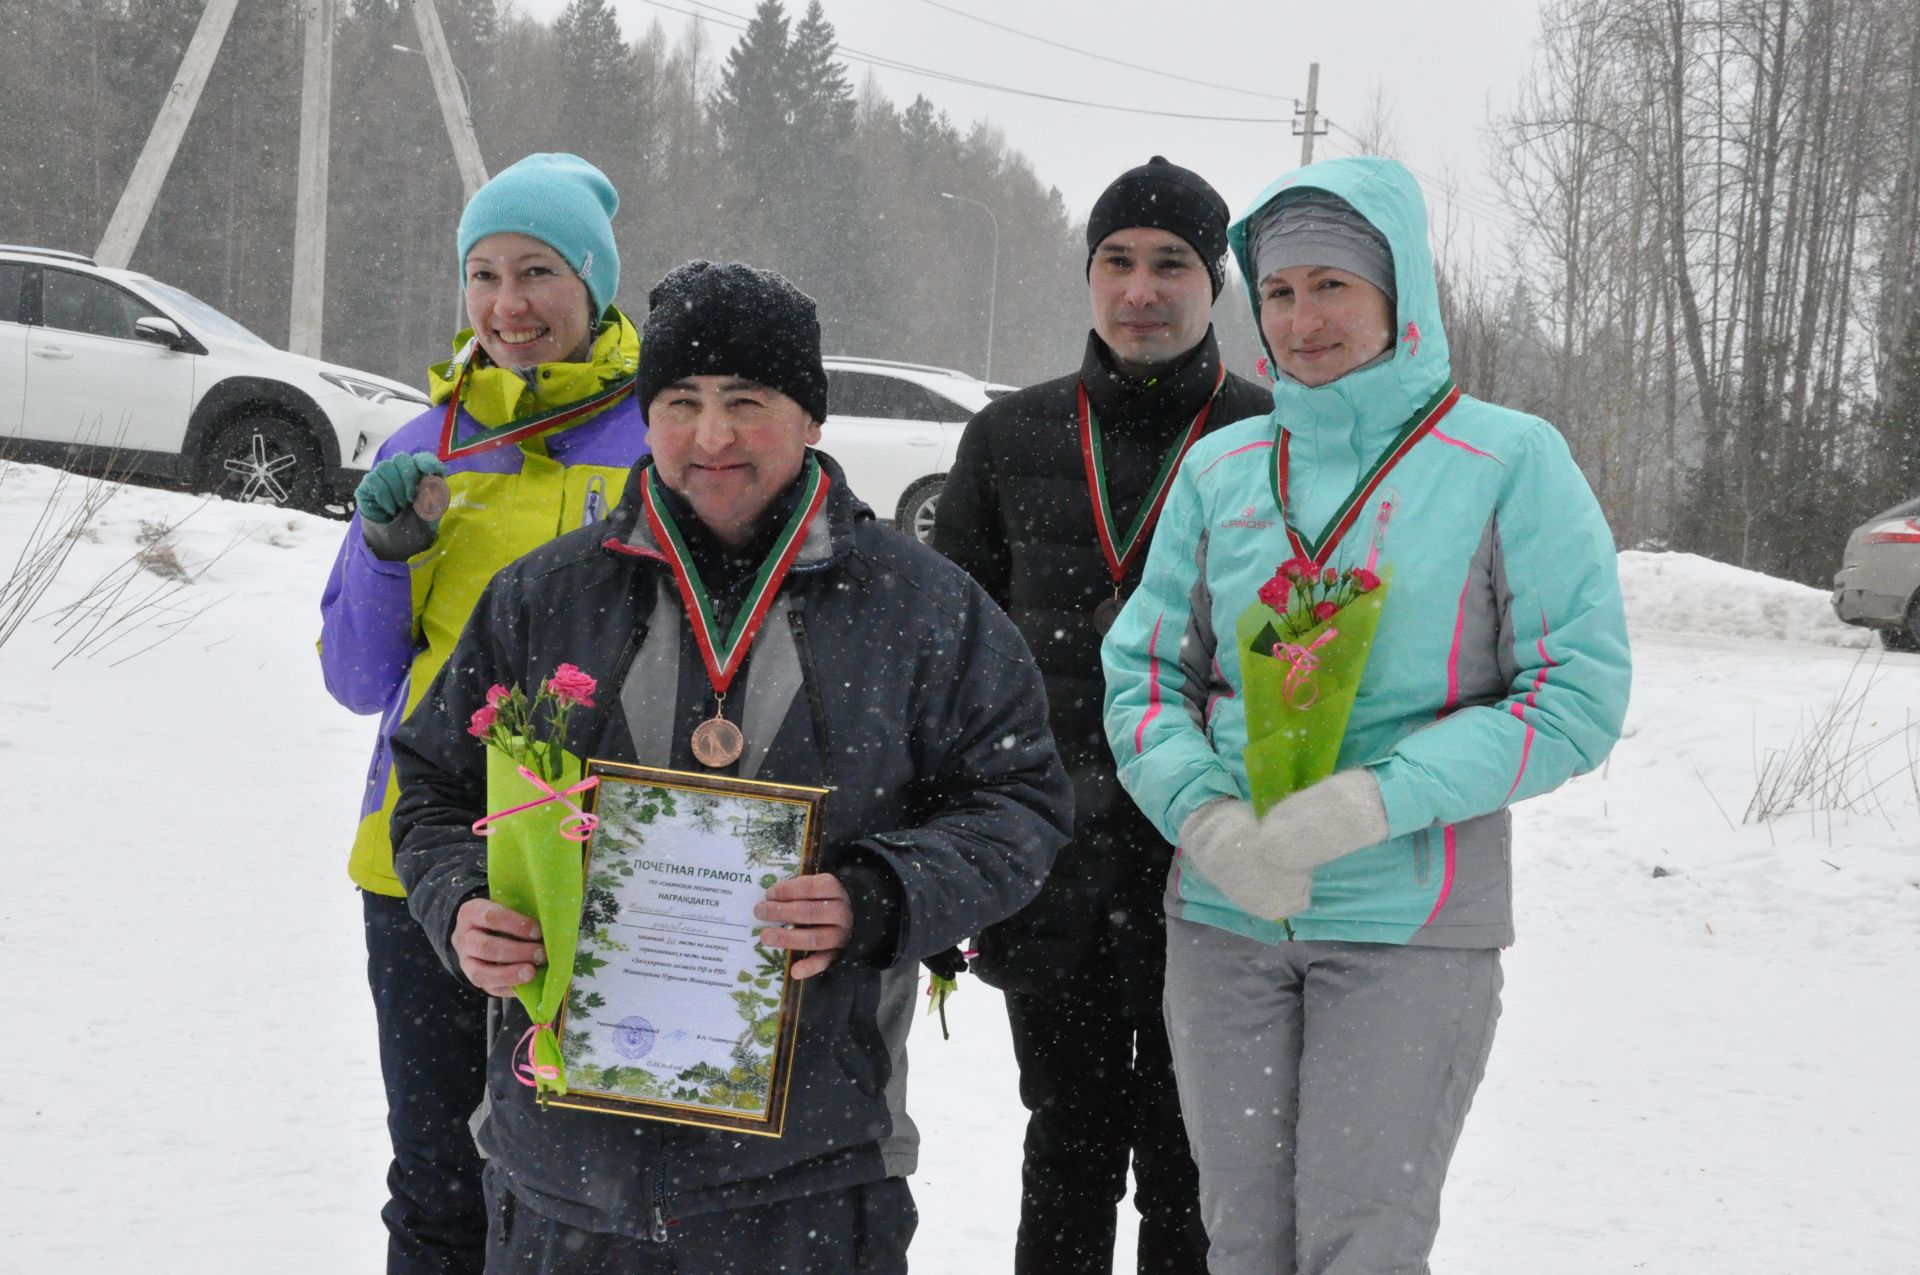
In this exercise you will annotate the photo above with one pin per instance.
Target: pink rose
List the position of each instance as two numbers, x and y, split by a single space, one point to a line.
1325 611
482 724
1297 569
1274 593
498 695
1365 580
570 686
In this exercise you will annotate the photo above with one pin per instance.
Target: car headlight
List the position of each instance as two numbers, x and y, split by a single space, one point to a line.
371 391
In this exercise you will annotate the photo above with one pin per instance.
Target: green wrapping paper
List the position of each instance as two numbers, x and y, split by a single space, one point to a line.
1297 708
536 870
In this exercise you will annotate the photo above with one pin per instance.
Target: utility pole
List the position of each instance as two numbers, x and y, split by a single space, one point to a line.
163 142
456 109
1311 125
310 196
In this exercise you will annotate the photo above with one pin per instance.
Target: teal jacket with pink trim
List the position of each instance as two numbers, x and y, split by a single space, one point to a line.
1500 668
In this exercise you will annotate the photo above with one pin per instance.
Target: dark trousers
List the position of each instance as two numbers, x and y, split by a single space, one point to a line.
433 1046
862 1229
1097 1075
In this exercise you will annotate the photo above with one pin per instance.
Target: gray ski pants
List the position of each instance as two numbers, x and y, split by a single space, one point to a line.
1324 1086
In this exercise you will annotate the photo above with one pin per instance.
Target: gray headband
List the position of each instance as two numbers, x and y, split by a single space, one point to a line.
1315 228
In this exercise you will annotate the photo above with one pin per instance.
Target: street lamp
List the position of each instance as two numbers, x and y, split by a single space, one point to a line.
465 96
993 281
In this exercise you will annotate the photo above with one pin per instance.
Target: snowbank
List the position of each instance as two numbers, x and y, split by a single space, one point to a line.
1685 593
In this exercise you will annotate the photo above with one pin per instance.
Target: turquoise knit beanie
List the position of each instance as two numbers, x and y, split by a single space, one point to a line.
565 203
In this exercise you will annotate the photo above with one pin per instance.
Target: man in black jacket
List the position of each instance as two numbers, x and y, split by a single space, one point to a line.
879 671
1050 506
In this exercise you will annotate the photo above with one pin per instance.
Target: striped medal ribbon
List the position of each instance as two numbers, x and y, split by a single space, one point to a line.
512 432
718 742
1412 432
1120 552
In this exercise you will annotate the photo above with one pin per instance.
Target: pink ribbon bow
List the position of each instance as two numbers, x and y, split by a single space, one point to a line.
1301 662
531 1072
577 826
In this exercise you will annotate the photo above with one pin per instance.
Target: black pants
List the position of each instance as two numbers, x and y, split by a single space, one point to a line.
1097 1075
862 1230
433 1046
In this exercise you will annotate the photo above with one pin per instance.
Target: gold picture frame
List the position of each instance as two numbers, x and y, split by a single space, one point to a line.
675 1012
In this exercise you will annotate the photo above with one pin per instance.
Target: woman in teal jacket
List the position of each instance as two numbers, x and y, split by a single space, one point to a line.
1333 968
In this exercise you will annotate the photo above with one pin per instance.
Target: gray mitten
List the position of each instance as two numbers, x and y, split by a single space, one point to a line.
1229 846
1265 865
1320 823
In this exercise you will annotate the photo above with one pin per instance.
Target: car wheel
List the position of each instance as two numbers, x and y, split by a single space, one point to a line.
263 459
1904 637
917 509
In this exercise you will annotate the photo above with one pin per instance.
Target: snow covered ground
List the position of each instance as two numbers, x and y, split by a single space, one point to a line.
1709 1070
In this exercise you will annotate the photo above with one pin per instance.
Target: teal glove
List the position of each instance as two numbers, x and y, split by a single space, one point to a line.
389 486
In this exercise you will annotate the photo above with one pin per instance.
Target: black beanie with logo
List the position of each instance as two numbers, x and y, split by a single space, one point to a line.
1165 197
708 318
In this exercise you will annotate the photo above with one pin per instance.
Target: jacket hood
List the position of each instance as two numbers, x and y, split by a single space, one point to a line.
1383 395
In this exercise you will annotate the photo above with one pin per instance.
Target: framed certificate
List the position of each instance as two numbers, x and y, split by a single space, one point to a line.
675 1011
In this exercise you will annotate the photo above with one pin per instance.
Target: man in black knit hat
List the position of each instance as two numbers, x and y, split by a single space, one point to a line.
871 666
1050 506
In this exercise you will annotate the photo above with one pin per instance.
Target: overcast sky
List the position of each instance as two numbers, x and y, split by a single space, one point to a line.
1438 66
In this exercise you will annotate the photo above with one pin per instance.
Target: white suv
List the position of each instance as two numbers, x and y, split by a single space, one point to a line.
894 427
111 369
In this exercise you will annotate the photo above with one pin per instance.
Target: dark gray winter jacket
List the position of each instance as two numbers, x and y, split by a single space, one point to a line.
884 673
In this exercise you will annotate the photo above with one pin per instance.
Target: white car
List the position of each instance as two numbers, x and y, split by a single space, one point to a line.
115 371
894 428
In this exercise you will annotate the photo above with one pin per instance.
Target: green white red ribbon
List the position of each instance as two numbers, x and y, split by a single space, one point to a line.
1416 428
723 661
1121 553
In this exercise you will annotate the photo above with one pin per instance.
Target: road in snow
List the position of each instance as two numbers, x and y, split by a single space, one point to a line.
1707 1071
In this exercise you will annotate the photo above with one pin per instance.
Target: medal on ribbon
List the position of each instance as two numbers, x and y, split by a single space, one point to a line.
718 742
1416 428
1121 551
513 431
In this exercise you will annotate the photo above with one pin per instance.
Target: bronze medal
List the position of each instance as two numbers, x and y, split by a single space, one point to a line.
1106 613
432 498
718 742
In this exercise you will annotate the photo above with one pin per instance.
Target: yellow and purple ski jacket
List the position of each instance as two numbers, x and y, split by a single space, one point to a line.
1500 668
387 627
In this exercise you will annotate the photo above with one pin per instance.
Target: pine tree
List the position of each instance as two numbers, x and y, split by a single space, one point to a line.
594 57
753 107
823 102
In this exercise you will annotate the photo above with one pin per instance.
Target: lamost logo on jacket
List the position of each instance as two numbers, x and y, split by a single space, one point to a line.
1247 520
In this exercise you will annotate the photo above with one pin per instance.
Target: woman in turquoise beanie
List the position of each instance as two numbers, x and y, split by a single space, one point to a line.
1333 956
534 428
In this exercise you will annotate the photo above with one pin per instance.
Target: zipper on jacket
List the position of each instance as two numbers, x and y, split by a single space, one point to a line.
657 1219
596 499
1422 857
1391 499
815 705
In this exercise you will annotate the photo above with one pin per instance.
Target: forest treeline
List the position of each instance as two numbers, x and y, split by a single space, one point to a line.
1709 277
1717 204
763 151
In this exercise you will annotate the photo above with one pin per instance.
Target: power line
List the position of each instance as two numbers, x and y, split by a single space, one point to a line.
1101 57
894 64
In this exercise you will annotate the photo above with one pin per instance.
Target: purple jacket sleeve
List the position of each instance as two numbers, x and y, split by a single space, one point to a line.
366 611
366 626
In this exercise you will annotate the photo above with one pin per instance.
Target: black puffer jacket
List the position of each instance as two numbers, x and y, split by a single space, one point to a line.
1016 514
882 672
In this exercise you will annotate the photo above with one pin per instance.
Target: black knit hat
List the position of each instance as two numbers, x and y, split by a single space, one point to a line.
1166 197
711 319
